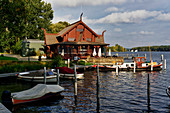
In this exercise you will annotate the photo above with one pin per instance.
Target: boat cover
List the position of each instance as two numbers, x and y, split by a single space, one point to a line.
37 91
66 70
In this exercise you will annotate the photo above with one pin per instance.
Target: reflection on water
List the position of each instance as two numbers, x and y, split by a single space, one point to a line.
125 92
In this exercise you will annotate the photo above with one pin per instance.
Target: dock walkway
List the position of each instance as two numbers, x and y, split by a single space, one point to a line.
3 109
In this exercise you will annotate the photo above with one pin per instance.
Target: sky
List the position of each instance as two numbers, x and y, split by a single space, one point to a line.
129 23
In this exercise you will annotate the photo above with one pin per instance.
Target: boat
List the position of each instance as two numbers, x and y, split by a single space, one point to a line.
37 76
68 73
139 63
168 91
37 93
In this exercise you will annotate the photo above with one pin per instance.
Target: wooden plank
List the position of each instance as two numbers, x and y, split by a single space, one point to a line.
3 109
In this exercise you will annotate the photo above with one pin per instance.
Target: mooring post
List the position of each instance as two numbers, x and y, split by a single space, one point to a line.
58 75
75 86
117 70
145 55
97 89
98 80
165 64
151 65
68 62
148 92
44 75
162 58
134 69
75 81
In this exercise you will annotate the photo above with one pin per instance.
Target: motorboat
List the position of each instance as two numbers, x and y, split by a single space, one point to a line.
68 73
37 93
139 63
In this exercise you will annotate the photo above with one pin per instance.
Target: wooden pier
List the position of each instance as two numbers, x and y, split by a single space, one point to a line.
105 60
3 109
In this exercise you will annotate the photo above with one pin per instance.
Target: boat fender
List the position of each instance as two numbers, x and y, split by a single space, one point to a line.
6 99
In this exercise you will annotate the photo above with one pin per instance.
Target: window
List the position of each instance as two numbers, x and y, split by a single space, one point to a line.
88 39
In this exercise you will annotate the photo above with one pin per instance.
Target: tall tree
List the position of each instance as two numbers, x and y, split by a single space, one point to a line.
57 27
23 19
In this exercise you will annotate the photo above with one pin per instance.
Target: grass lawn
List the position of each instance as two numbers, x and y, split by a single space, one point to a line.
8 58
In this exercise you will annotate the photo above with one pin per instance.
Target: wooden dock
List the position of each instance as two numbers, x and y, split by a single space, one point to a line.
3 109
105 60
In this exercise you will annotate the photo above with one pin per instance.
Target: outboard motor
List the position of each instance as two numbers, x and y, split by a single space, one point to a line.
7 100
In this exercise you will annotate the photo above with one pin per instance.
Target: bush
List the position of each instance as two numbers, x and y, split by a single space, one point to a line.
16 49
81 62
57 62
21 67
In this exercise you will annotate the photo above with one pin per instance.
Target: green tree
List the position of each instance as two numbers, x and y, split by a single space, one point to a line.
117 48
23 19
57 27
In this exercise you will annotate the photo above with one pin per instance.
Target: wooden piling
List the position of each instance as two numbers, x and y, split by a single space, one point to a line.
117 70
148 92
75 86
165 64
162 58
68 63
44 75
58 75
75 81
98 90
134 69
98 80
151 65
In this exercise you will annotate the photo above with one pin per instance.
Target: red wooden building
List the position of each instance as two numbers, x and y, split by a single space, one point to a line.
75 40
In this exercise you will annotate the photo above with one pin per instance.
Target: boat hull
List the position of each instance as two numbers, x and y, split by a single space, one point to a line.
47 96
147 68
71 76
49 79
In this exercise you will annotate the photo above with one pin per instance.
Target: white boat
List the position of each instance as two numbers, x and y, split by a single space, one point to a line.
139 63
37 93
37 76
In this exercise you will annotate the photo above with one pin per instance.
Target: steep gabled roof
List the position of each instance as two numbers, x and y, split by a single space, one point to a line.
72 26
51 38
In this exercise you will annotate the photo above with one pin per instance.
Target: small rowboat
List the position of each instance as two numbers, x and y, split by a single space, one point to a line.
38 92
37 76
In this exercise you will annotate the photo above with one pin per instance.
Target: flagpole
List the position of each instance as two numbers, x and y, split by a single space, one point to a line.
150 53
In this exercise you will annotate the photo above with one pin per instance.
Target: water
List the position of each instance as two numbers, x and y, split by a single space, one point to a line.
125 93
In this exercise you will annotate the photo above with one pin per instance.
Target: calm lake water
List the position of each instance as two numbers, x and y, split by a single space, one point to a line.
125 93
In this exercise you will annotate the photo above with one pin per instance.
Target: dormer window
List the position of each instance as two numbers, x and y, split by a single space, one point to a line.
71 39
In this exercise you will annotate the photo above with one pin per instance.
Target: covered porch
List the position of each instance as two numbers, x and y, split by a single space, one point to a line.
79 51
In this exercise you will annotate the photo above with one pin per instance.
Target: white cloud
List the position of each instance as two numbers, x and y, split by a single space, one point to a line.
111 9
128 17
164 17
142 33
146 33
74 3
117 29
